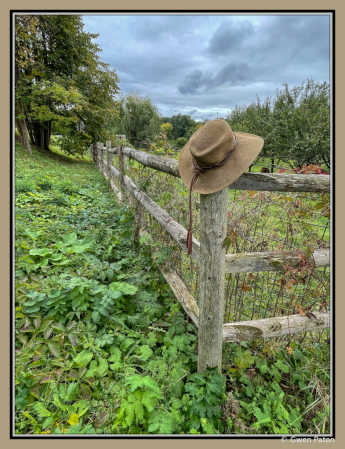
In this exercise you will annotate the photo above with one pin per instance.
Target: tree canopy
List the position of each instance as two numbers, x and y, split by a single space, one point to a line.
61 83
181 125
167 128
137 118
295 125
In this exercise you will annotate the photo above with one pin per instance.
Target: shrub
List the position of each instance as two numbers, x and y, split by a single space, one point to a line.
181 141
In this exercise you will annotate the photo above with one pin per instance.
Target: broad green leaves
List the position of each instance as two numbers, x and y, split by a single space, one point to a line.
146 382
83 358
243 359
123 287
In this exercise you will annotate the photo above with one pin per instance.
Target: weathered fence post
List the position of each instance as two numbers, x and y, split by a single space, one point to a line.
109 156
99 156
103 150
213 225
95 154
122 170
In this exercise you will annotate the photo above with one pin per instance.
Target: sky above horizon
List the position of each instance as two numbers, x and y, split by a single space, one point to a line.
204 65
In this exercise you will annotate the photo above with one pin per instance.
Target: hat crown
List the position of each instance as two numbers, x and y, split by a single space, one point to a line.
211 143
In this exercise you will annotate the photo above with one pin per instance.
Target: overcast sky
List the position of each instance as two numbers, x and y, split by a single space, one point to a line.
204 65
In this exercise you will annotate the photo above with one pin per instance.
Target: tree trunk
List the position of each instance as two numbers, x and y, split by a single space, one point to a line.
31 134
21 126
47 134
41 134
20 117
272 164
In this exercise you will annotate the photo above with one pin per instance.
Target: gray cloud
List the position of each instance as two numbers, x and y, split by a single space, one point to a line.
229 37
232 73
192 112
167 28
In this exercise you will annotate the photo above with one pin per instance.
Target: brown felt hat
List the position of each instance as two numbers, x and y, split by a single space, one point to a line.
209 146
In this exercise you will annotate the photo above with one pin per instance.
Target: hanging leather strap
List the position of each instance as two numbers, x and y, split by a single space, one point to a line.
198 169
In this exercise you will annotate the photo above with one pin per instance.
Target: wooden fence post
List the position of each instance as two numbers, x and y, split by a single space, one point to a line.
99 156
122 170
104 151
213 226
109 156
95 154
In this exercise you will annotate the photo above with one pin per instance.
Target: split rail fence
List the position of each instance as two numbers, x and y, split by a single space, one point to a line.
210 252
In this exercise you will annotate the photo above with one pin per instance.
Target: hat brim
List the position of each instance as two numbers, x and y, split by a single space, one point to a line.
247 149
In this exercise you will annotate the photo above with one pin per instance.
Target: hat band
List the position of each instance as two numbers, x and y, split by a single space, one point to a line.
198 169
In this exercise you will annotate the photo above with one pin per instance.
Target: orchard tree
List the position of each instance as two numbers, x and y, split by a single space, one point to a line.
295 125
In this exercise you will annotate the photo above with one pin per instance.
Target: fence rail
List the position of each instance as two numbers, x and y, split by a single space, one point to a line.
247 181
213 208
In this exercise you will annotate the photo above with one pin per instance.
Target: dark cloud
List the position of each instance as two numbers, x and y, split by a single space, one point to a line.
283 39
230 37
231 74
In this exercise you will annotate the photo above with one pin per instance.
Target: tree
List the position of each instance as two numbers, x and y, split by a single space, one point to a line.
295 125
192 130
138 118
181 124
63 83
167 128
25 29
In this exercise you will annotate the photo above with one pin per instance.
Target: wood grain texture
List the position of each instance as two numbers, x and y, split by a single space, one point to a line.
163 164
181 292
122 171
109 157
116 190
280 182
272 261
213 226
275 327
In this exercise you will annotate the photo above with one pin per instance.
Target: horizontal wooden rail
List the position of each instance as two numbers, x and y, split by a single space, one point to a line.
274 182
273 261
279 182
275 327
